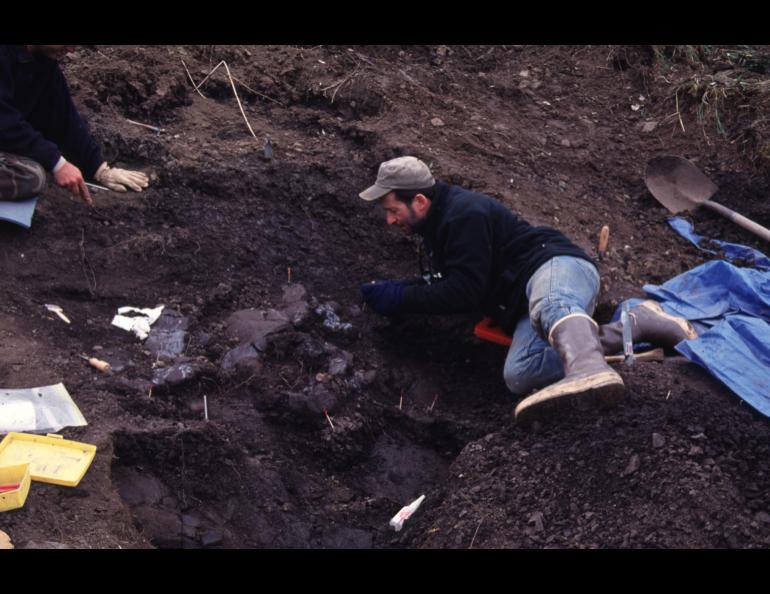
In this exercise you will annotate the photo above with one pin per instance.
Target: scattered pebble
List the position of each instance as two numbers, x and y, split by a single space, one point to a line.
338 366
536 521
633 465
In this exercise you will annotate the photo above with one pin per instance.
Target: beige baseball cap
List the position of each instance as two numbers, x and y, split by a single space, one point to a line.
403 173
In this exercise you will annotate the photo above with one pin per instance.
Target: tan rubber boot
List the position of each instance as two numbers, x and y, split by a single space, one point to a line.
588 379
649 323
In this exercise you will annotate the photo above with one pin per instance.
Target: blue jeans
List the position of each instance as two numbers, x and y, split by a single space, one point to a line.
564 285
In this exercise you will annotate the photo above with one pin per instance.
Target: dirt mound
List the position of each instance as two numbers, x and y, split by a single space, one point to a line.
274 411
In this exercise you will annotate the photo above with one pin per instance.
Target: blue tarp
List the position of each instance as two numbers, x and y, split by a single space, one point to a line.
730 307
731 251
714 290
736 352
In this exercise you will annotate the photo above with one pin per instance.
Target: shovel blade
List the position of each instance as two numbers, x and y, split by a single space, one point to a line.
677 184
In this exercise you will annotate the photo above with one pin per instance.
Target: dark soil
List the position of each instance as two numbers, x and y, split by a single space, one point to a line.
418 406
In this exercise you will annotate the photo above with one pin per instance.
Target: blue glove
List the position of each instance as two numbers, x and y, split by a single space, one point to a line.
384 297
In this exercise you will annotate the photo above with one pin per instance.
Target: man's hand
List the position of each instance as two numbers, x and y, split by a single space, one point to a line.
121 180
69 177
384 297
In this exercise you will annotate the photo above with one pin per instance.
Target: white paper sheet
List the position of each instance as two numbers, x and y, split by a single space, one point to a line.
46 409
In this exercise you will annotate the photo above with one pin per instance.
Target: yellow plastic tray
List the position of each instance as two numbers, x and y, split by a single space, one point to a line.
18 473
51 459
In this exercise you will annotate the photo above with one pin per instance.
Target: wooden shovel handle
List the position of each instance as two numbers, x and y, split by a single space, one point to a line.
651 355
739 219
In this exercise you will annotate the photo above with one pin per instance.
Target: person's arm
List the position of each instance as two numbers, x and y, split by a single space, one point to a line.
17 136
72 134
79 146
468 261
413 281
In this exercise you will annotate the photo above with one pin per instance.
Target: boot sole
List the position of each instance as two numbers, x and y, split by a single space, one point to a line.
684 324
604 389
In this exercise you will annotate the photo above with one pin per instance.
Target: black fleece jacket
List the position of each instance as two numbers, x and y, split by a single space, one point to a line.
37 117
485 254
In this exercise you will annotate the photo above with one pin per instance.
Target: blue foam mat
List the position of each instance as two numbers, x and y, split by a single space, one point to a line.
18 212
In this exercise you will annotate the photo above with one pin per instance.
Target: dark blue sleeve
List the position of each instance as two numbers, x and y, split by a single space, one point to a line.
468 262
18 136
69 130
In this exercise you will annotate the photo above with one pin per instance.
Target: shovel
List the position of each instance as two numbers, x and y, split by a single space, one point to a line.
679 185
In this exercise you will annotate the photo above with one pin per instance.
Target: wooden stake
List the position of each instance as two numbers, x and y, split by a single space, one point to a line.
288 274
401 401
433 403
604 238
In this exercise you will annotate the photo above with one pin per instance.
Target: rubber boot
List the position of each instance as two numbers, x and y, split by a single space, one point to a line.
588 379
649 323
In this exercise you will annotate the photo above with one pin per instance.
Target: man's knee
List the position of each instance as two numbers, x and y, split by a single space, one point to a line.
20 178
523 377
515 383
532 372
35 179
38 178
562 286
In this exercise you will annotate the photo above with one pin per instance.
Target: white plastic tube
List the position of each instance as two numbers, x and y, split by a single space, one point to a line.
405 513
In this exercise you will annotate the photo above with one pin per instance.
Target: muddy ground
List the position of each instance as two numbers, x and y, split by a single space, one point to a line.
561 134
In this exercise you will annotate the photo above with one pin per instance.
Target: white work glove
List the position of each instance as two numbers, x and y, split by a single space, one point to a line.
121 180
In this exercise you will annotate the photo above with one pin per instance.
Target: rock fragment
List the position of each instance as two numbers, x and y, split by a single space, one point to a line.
633 466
